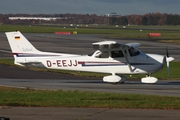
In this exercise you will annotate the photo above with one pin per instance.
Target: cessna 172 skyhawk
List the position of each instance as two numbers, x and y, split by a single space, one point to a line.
110 57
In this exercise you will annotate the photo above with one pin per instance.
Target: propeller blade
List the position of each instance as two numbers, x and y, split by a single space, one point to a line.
168 59
167 53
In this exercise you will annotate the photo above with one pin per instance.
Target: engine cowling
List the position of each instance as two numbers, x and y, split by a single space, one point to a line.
114 79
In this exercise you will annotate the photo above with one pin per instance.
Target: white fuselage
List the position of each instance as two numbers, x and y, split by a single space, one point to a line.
143 63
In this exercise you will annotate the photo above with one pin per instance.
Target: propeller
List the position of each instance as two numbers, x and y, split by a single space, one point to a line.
168 59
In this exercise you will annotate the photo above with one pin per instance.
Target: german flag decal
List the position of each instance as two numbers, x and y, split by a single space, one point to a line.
17 38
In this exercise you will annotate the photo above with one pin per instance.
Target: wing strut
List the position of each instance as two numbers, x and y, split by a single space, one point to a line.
126 57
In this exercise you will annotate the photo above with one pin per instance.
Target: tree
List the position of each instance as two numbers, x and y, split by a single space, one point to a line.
144 20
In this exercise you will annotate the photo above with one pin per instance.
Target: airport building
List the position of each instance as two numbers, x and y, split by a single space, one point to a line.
36 18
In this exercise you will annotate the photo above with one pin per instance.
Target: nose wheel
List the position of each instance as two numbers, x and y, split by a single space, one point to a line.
148 79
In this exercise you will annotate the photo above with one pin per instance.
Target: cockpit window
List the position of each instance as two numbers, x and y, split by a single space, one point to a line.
90 54
133 52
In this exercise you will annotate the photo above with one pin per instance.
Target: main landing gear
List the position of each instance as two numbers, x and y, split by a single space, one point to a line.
114 79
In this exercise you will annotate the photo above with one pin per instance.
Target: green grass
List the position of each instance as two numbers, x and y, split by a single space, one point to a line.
31 29
48 98
133 32
52 29
170 41
7 62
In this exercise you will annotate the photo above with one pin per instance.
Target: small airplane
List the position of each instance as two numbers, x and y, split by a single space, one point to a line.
109 57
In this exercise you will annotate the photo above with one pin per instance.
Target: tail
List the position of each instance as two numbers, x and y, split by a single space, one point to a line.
24 52
20 47
19 44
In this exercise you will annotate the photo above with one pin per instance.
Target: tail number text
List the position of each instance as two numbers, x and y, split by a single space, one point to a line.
62 63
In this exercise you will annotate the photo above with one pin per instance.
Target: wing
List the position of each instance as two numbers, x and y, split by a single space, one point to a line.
133 44
106 45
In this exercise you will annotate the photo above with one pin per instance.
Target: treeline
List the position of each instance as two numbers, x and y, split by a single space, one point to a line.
147 19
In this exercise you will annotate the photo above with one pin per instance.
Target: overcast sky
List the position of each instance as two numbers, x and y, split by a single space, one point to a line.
99 7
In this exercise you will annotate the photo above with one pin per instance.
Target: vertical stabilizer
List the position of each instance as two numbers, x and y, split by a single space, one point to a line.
19 44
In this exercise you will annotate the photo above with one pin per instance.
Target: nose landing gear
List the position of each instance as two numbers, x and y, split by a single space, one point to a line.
149 79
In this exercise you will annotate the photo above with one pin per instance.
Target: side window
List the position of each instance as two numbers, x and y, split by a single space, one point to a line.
104 54
133 52
116 54
100 54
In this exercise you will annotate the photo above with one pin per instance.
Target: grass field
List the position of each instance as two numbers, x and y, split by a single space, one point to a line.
48 98
140 32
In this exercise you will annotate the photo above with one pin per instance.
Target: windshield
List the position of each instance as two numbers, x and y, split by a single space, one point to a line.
90 54
133 51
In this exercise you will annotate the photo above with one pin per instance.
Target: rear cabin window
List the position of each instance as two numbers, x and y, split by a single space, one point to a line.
104 54
99 54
